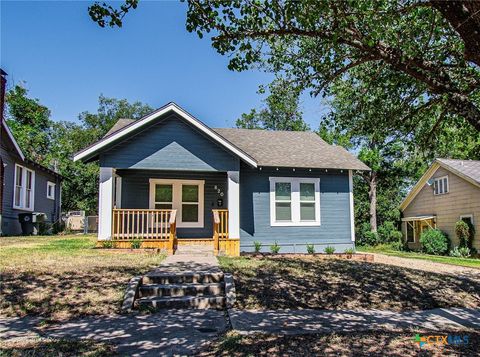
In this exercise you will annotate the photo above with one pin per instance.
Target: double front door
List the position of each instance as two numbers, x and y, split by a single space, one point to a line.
185 196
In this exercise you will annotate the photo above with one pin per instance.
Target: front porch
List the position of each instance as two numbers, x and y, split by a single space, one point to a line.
413 227
166 209
156 228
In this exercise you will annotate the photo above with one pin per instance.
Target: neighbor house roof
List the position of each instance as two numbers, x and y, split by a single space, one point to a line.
20 153
12 139
259 147
469 170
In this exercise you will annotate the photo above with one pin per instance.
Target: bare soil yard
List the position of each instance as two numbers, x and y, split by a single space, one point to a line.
283 282
61 277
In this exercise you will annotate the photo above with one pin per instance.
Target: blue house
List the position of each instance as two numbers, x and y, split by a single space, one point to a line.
168 179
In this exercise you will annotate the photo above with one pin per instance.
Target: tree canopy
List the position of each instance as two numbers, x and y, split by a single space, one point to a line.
281 111
435 43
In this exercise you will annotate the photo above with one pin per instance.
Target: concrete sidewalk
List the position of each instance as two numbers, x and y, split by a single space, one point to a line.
168 333
298 322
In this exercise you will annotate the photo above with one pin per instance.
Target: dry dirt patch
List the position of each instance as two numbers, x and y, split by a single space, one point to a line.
283 282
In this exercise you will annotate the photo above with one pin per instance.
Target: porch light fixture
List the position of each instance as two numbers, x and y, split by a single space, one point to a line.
293 169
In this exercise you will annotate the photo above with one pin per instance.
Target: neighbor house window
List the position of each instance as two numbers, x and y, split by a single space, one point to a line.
23 197
294 201
467 218
50 190
440 185
186 196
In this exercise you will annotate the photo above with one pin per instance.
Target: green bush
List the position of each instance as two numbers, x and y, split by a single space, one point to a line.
275 248
258 246
329 250
465 233
108 244
310 249
349 251
364 236
388 233
434 241
136 244
460 252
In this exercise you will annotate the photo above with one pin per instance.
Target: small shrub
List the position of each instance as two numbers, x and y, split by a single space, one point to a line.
465 233
349 251
364 235
108 244
136 244
275 248
329 250
388 233
371 238
310 249
434 241
258 246
460 252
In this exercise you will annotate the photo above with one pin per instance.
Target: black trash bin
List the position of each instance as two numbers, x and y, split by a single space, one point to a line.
26 221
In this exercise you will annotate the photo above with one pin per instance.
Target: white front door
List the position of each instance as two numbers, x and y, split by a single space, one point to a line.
186 196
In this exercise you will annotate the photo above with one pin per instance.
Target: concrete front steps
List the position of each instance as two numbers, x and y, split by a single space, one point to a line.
198 290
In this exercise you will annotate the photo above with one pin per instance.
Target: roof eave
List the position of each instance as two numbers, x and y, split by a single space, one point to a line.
93 150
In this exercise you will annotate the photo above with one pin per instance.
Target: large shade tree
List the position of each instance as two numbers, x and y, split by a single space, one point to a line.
434 43
281 110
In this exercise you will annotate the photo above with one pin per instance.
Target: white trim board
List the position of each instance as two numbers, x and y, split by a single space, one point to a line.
171 107
10 135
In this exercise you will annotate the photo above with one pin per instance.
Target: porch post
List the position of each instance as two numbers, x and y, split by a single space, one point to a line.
105 203
233 204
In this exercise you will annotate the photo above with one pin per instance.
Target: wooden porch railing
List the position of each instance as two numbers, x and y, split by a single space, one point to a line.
144 224
220 227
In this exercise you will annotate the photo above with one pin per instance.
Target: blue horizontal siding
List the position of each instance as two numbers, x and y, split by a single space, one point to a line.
135 194
170 144
255 211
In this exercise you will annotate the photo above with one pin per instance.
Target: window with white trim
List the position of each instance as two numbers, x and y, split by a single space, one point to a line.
186 196
294 201
467 218
50 190
23 197
440 185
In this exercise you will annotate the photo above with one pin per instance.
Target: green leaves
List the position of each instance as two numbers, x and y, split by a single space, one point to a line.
281 111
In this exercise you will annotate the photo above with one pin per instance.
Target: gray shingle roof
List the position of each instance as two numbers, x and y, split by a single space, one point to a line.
283 148
121 123
291 149
469 168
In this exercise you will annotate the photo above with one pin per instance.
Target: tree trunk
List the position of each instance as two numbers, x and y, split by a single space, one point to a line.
372 196
464 16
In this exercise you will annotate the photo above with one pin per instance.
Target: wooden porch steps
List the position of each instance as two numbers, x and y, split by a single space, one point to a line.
198 290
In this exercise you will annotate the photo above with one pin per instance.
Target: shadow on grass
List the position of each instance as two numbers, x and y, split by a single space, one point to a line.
64 295
345 344
282 282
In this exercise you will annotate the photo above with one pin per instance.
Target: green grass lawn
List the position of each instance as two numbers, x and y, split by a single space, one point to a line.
282 282
62 277
387 250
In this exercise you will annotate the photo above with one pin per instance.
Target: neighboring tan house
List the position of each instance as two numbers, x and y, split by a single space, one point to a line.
25 186
448 192
168 179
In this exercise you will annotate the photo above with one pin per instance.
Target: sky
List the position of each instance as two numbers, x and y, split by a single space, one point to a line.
66 61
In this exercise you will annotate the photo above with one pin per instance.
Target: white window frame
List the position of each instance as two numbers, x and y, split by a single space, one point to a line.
23 189
437 181
470 215
52 185
177 199
295 201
